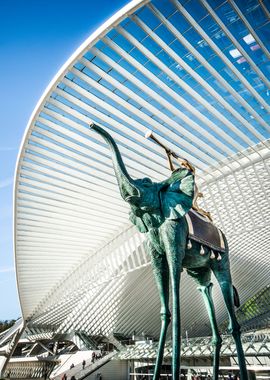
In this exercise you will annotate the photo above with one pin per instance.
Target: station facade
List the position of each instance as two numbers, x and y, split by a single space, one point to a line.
197 74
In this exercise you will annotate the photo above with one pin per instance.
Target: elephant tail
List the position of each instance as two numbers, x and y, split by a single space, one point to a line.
236 298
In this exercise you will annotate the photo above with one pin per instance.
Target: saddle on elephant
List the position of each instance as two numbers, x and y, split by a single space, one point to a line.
203 231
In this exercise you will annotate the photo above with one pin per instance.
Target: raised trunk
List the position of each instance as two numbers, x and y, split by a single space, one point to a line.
126 184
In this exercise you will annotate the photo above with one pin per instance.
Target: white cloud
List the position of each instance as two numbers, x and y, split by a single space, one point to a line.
6 269
6 182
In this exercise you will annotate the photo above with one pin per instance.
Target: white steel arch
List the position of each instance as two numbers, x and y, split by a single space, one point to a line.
174 68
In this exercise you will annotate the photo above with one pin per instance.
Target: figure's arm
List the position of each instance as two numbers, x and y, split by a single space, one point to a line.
186 164
169 155
183 162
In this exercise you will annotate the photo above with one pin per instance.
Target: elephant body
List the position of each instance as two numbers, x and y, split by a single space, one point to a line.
158 210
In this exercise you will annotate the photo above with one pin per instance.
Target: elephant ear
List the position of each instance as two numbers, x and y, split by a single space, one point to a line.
138 222
177 198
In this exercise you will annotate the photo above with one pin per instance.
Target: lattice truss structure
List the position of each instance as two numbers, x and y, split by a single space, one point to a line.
254 345
32 369
196 73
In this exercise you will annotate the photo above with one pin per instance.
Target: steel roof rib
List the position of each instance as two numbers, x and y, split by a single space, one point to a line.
154 158
148 120
150 92
80 264
64 195
155 112
137 98
103 159
119 137
44 133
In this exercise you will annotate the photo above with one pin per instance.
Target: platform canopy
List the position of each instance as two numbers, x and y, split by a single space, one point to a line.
197 74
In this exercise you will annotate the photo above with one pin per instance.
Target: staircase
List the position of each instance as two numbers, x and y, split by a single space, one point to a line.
89 368
117 343
88 342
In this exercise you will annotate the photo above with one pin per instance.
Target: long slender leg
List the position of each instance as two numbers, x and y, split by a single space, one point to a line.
223 275
161 274
174 235
202 277
176 324
216 340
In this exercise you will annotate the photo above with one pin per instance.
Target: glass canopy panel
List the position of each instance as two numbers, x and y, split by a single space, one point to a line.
243 36
256 16
211 28
191 33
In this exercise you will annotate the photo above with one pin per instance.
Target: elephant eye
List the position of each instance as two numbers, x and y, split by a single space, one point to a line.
146 180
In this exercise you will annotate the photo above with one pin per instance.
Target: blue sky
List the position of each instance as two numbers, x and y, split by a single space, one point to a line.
36 38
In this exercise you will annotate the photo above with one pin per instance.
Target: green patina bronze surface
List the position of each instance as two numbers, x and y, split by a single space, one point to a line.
158 209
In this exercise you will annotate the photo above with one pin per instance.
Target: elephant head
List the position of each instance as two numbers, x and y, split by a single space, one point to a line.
151 202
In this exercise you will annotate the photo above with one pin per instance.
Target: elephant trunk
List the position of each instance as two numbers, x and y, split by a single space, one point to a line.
125 182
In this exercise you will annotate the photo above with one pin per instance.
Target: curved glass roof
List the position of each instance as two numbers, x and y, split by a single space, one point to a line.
197 74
